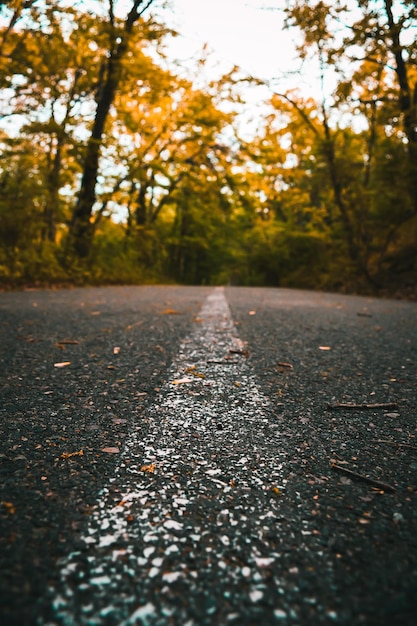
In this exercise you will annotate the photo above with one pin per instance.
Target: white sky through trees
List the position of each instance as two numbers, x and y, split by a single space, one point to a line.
239 32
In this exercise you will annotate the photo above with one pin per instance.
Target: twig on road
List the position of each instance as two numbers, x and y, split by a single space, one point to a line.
224 362
365 406
371 481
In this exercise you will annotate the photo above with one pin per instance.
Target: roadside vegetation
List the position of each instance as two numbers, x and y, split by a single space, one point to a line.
120 167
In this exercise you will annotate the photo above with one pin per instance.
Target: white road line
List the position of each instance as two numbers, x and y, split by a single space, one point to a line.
180 534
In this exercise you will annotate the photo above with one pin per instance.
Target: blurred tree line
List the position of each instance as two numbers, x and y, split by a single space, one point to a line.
118 168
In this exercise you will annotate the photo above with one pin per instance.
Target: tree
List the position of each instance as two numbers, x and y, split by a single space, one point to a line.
373 44
119 36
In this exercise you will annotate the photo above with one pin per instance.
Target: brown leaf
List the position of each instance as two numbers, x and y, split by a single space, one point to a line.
111 450
241 352
62 364
68 342
284 364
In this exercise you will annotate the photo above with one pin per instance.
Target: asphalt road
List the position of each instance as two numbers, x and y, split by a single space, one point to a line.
184 455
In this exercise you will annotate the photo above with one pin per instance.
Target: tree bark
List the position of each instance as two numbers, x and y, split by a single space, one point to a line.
408 103
81 228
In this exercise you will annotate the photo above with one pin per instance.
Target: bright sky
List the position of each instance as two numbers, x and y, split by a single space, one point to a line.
238 32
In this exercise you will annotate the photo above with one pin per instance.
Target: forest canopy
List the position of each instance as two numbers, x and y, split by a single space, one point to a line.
119 166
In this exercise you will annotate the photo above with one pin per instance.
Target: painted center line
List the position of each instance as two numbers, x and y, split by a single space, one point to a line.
184 532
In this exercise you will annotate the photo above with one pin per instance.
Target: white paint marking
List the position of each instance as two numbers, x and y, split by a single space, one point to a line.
163 509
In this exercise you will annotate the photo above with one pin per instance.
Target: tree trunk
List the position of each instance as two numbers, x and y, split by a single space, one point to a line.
408 103
81 228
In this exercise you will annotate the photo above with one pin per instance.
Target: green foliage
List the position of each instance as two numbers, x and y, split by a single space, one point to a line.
323 196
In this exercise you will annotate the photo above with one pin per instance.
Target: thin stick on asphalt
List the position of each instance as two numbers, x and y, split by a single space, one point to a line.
395 443
352 405
371 481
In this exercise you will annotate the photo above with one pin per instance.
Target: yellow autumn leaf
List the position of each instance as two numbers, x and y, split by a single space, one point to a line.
170 312
10 508
192 370
68 455
148 468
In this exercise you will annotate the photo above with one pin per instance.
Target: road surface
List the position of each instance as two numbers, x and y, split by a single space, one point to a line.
207 456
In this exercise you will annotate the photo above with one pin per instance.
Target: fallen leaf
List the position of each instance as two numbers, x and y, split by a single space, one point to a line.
10 508
284 364
111 450
116 350
170 312
63 364
192 370
130 326
252 313
276 491
148 468
236 383
67 455
68 342
95 313
241 352
324 348
181 381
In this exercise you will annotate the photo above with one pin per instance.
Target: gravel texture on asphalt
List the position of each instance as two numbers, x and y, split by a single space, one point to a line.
166 465
48 413
369 534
